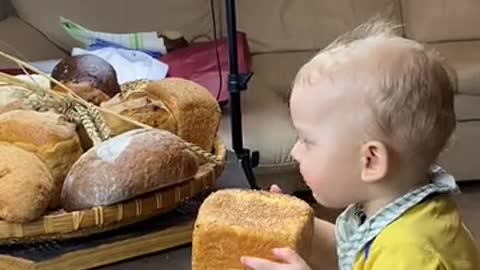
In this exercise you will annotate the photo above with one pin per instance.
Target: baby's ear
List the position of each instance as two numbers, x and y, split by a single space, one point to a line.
374 155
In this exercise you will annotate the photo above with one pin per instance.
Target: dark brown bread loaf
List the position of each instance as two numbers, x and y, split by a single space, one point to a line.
90 70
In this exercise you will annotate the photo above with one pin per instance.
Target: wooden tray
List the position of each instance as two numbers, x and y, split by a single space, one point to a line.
63 225
154 235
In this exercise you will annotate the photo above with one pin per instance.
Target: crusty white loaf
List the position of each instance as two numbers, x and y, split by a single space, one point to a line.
128 165
26 185
233 223
180 106
46 134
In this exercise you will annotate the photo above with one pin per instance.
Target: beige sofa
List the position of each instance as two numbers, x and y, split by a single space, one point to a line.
283 34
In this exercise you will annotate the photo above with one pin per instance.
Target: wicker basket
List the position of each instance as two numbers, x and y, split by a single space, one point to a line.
95 121
63 225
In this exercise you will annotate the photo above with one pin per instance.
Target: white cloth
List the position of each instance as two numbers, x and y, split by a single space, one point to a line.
129 65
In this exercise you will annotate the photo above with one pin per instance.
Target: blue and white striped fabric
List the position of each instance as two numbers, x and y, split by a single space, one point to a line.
147 42
353 235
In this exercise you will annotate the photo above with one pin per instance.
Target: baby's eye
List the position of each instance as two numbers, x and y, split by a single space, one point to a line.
304 141
307 142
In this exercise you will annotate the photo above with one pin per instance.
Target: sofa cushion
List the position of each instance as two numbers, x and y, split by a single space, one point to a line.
467 108
276 71
464 56
266 118
190 17
24 42
266 128
266 125
461 158
286 25
266 115
441 20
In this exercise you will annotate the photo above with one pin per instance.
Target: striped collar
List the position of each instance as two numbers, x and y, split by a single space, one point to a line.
353 233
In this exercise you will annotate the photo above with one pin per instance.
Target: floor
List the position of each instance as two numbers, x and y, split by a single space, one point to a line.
179 258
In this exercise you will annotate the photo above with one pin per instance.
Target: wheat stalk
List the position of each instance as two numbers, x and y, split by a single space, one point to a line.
97 118
81 115
38 102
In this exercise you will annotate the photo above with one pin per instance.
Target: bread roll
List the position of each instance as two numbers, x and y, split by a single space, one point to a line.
26 185
86 91
180 106
48 135
131 164
13 97
234 223
87 68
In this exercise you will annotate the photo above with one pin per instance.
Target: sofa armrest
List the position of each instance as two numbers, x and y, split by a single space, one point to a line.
23 41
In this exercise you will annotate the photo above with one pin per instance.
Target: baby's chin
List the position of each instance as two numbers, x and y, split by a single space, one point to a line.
329 203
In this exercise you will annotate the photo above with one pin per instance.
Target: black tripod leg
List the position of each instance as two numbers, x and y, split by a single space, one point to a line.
247 165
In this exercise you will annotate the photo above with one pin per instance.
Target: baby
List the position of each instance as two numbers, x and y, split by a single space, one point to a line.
373 111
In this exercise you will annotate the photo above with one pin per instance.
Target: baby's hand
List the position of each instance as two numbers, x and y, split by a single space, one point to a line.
275 189
291 261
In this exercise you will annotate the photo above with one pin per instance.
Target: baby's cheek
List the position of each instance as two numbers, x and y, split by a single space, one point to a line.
310 173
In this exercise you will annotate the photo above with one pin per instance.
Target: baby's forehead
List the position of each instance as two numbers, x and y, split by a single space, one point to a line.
327 97
362 65
330 86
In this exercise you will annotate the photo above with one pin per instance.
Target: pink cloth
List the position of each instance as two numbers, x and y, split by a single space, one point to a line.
198 62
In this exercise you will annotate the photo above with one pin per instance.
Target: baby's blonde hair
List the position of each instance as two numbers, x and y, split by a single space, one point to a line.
412 99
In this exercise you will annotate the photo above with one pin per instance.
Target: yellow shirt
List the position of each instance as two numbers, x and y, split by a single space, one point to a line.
430 236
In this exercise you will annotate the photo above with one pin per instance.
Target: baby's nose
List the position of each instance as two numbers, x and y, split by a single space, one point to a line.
295 150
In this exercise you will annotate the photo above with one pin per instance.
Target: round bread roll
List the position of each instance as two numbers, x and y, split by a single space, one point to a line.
97 73
48 135
131 164
180 106
26 185
86 91
12 97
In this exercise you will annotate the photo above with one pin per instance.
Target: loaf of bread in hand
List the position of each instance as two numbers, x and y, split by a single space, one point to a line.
131 164
46 134
180 106
234 223
26 185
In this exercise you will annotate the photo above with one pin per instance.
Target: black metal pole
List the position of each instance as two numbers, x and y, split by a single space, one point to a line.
233 80
236 83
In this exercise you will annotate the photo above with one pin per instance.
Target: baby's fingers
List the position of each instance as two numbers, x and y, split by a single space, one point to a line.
289 256
275 189
261 264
